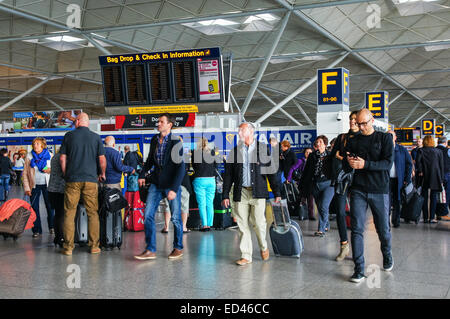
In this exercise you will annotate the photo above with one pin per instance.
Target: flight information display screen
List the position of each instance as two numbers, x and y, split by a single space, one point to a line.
160 82
171 77
184 81
112 84
136 85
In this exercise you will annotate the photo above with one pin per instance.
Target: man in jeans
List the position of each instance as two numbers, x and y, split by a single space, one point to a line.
247 167
166 157
371 155
81 150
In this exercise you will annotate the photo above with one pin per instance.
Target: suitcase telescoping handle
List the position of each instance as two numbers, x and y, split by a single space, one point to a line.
282 213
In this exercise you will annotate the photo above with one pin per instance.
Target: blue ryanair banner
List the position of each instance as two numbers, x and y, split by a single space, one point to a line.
333 90
378 104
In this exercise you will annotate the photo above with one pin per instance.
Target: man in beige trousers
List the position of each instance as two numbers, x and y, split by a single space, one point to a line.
248 167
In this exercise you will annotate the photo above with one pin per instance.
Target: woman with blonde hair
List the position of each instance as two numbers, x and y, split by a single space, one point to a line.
430 175
204 182
36 175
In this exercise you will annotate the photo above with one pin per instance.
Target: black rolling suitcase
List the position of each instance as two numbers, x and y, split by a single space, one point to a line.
110 229
285 234
222 215
411 210
81 226
292 196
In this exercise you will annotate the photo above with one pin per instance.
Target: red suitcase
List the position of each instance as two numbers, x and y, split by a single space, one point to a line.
134 213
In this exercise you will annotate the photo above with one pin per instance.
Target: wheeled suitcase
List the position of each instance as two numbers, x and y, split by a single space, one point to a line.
285 234
110 229
291 194
134 213
411 211
15 224
222 215
81 226
303 211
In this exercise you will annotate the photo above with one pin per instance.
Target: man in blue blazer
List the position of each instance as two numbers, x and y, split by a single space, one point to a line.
166 159
400 175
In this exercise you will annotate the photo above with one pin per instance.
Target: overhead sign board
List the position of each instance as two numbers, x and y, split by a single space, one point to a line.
378 104
333 90
428 127
439 130
150 121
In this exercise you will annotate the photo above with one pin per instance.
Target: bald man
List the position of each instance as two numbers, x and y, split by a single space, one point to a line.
399 175
83 164
114 165
371 155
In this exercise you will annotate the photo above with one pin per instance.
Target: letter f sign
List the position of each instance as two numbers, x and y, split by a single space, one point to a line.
326 82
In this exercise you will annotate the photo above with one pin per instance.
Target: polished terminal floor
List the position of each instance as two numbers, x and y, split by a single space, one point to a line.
33 268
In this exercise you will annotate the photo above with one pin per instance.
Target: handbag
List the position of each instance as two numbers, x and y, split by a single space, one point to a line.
407 192
442 196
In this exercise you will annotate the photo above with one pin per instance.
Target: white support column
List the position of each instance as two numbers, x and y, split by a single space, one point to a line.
263 67
298 91
21 96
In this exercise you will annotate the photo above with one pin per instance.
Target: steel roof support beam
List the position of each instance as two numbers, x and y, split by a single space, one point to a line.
283 111
341 44
298 91
409 114
96 44
303 112
54 104
263 67
21 96
421 117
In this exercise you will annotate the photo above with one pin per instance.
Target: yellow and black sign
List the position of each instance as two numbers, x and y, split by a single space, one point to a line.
439 130
333 87
163 109
405 135
428 127
378 104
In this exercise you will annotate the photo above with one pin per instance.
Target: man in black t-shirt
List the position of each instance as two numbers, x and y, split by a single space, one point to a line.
371 155
81 150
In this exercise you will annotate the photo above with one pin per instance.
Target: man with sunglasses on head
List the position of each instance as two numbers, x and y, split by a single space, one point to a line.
371 155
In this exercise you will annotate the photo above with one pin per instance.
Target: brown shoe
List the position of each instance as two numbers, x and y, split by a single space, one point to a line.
96 250
243 262
265 254
66 252
447 218
146 255
176 253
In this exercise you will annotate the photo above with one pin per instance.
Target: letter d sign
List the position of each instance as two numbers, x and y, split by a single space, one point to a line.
428 127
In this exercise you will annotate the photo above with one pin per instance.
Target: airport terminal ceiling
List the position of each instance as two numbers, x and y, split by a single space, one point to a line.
49 51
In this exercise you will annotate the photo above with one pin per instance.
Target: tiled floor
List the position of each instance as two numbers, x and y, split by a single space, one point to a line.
33 268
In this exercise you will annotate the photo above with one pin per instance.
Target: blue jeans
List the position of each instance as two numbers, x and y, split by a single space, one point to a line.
205 190
323 194
433 203
379 205
4 185
155 195
35 196
341 201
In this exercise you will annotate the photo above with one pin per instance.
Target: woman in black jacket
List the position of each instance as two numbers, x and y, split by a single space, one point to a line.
430 172
316 180
287 158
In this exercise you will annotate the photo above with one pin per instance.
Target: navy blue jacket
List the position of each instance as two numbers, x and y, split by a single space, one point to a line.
114 166
403 167
171 173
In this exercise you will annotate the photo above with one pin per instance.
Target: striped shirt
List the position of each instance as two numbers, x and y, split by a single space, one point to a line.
161 150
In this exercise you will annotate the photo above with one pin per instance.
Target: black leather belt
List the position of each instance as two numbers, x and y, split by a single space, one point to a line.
247 188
